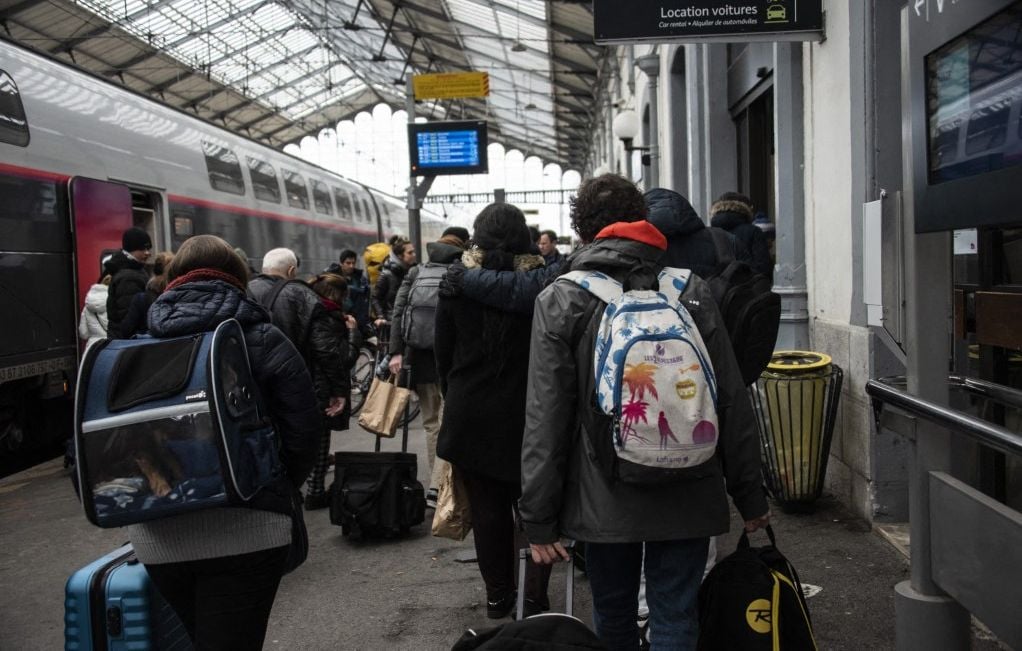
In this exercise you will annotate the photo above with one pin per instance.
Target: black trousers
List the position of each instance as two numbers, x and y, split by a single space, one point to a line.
497 538
224 603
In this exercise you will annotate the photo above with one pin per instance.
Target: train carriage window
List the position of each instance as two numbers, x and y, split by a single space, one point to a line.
988 128
264 180
297 191
224 168
321 198
343 204
13 123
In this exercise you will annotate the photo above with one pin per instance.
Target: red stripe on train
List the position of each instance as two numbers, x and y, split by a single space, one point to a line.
43 175
31 173
247 212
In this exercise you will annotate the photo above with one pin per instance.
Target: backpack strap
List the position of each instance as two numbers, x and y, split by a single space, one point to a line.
723 242
673 282
270 298
596 283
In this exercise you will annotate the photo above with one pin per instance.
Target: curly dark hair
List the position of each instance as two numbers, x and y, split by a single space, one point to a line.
602 201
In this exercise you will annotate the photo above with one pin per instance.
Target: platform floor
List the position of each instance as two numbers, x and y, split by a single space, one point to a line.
409 593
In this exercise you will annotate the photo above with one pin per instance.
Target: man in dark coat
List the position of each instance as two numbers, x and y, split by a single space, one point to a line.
357 302
292 304
421 361
733 213
548 248
690 244
401 259
128 276
564 490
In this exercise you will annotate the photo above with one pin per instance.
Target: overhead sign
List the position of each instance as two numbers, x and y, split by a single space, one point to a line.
451 85
681 21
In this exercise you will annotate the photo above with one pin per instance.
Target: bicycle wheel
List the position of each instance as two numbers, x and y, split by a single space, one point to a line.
361 378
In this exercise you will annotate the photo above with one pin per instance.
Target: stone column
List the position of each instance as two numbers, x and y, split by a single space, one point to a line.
789 217
650 65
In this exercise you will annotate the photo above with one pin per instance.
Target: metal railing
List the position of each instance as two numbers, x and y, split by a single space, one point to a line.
989 434
966 547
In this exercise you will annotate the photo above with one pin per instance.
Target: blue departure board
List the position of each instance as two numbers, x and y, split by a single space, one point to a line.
448 149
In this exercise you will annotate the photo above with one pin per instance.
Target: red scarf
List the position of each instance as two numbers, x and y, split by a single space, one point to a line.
328 304
206 274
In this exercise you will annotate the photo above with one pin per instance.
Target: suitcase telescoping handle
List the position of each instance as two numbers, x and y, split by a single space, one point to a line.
569 582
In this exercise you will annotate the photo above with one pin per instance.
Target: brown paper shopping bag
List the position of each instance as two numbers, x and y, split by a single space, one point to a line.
452 518
383 407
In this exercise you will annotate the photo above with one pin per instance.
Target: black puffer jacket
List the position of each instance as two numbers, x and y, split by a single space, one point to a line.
421 360
563 490
284 382
385 293
335 349
750 237
482 359
128 278
690 243
293 311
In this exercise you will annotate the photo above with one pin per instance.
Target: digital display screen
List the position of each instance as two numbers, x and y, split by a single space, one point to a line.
448 147
973 93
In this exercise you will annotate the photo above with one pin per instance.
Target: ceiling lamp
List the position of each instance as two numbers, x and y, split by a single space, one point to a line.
518 47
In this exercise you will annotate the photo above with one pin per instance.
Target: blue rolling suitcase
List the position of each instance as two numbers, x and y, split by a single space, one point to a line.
110 604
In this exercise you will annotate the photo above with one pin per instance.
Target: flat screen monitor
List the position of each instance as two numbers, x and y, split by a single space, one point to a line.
973 96
448 147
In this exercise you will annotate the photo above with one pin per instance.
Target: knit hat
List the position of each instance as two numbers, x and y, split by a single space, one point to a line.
135 239
732 202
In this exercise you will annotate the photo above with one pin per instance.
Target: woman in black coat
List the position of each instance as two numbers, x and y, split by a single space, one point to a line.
219 568
482 357
335 342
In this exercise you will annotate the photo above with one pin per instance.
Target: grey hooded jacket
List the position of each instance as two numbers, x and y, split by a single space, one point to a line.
564 492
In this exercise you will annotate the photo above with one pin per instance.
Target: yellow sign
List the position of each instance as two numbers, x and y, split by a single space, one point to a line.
451 85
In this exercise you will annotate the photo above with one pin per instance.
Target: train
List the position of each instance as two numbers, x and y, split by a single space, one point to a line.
81 160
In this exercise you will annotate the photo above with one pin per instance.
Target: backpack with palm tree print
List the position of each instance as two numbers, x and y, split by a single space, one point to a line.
654 379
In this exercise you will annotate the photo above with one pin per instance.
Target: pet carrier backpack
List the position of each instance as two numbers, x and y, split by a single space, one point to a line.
165 426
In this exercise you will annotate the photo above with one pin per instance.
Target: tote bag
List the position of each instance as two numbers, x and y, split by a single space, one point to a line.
383 407
452 518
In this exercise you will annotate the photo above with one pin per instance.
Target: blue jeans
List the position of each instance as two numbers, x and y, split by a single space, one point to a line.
674 570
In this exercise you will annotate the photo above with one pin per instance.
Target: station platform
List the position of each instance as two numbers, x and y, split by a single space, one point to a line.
412 593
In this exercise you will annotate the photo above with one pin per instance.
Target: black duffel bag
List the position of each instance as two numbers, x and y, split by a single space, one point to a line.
376 494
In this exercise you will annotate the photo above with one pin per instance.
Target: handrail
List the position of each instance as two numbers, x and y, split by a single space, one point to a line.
996 392
988 434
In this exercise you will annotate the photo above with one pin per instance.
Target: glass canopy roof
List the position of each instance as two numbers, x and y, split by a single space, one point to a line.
310 63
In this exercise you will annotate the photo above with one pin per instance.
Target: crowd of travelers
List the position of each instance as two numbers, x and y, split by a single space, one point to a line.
503 379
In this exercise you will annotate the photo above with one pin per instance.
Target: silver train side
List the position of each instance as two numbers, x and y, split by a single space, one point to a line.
60 127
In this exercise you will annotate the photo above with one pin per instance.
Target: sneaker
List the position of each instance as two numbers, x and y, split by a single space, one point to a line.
501 608
644 641
316 501
431 496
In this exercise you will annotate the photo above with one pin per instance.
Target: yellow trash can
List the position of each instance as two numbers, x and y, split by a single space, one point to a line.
796 402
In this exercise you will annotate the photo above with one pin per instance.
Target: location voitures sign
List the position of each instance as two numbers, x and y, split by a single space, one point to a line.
707 20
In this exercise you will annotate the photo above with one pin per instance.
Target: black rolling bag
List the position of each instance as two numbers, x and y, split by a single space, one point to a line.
543 631
377 494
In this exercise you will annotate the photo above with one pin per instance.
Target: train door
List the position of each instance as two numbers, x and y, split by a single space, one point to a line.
101 211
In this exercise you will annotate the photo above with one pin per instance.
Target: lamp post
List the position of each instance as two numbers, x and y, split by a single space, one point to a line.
626 127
